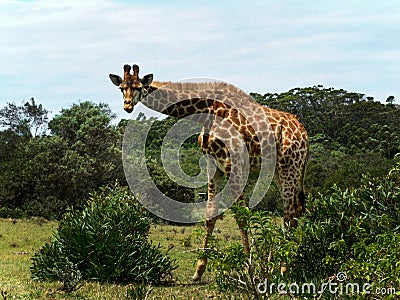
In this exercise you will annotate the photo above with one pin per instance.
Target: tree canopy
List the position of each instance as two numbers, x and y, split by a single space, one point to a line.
43 175
28 119
346 121
47 165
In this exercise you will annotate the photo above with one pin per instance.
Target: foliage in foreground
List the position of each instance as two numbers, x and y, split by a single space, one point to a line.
270 245
106 241
354 231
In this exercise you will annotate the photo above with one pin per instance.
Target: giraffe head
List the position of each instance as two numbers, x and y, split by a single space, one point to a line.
132 87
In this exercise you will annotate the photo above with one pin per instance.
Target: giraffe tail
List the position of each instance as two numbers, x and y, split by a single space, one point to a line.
302 194
302 198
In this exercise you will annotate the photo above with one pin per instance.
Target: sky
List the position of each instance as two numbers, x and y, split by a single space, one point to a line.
61 52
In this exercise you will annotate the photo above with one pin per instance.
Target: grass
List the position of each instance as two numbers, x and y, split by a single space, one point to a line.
19 239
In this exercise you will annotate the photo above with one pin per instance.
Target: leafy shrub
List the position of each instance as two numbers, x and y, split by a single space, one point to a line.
377 262
271 248
106 241
376 257
69 275
355 231
336 224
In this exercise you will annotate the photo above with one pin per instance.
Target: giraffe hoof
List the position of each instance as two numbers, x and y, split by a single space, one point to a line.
284 268
196 278
200 268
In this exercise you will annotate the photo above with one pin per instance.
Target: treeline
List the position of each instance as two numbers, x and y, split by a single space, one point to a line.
341 120
350 134
47 165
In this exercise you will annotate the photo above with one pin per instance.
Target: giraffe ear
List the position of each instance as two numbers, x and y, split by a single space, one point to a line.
147 80
115 79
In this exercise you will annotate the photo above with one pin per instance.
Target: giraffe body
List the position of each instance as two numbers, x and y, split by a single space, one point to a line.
233 125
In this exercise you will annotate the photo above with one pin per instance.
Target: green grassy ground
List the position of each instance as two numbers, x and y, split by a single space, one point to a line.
19 239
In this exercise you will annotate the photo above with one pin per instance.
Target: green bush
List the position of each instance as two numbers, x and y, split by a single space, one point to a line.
377 262
271 246
355 231
336 224
106 241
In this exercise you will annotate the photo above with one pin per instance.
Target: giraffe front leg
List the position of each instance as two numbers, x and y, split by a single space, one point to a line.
202 262
214 185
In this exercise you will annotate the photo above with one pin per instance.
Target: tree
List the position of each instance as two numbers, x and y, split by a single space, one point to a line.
27 120
47 174
390 100
20 124
87 123
87 129
338 115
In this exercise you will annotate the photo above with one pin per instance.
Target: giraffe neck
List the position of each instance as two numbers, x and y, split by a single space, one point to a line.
184 99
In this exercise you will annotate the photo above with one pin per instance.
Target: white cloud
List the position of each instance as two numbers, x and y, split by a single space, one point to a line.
68 48
62 51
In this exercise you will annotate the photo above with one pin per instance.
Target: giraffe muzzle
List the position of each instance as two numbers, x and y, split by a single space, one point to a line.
128 106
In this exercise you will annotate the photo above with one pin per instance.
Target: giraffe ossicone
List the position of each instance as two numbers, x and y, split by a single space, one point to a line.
238 136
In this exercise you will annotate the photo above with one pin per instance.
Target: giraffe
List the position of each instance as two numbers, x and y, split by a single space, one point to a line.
260 131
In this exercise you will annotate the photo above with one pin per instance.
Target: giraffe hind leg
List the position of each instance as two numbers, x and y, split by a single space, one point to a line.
292 194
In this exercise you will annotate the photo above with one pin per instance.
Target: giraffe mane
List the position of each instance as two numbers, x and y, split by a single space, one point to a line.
159 84
198 86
